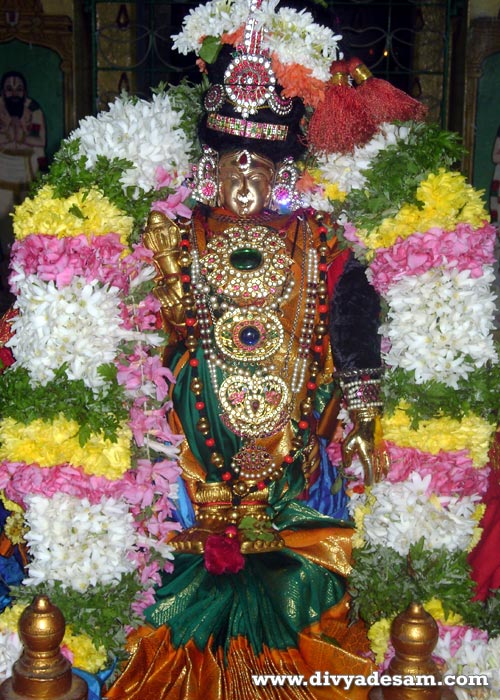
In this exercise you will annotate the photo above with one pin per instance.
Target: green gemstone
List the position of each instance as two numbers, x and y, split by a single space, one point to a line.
246 259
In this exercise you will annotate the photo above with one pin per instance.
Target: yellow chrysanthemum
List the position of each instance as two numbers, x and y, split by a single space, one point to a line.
86 212
360 511
334 193
379 634
435 608
473 433
9 619
478 531
446 200
48 444
86 655
10 505
15 528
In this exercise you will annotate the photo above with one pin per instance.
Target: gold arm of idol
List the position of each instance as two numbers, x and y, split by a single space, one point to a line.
162 236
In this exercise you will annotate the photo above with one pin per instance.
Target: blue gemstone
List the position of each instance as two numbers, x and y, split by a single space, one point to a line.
249 335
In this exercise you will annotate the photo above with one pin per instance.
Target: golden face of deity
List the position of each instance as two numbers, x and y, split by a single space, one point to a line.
245 182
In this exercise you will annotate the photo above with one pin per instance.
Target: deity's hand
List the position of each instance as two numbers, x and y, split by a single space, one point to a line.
365 440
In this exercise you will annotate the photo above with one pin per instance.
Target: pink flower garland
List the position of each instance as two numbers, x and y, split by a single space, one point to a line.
18 479
452 473
60 259
464 248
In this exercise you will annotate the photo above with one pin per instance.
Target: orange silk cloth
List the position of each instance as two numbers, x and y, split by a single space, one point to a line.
158 671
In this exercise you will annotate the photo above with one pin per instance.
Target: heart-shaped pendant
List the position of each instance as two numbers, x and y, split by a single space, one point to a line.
254 406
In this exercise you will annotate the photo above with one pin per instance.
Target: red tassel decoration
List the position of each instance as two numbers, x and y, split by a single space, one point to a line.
385 102
342 120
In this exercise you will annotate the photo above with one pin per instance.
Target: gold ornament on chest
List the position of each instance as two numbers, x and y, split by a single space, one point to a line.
248 335
254 406
248 264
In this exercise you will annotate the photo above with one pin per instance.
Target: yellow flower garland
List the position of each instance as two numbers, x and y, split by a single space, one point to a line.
334 193
473 433
434 607
49 443
86 655
379 633
447 200
46 214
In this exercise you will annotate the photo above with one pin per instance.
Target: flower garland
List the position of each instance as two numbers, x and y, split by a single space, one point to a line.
429 253
301 50
88 462
86 212
147 133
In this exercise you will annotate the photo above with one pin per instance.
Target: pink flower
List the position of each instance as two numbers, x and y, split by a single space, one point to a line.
163 177
452 473
19 479
350 234
173 206
464 248
144 600
144 375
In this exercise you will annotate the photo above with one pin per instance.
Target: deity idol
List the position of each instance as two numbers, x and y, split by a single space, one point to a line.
264 309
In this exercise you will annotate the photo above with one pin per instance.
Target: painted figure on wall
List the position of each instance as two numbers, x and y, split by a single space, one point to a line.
22 155
495 183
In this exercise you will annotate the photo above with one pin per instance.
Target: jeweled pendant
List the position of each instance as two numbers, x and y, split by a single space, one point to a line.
248 335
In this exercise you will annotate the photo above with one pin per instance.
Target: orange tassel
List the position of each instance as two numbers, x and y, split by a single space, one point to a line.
342 120
385 102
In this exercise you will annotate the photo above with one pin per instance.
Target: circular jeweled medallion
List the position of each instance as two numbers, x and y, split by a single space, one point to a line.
246 264
248 335
249 81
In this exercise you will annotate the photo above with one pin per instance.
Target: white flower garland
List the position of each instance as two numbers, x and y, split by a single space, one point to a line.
79 325
77 543
346 170
439 324
293 36
399 515
148 133
11 648
475 656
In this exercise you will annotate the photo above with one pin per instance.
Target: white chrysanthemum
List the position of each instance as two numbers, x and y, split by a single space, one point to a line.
401 514
210 19
10 650
440 324
292 35
295 37
148 133
79 325
347 170
78 543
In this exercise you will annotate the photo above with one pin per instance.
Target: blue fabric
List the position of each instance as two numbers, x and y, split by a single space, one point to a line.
321 496
11 572
184 511
95 681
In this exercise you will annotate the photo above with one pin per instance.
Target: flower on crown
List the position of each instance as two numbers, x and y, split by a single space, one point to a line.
301 50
